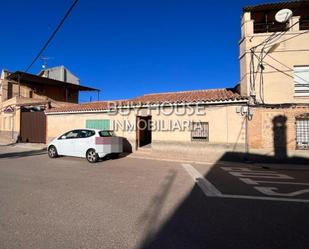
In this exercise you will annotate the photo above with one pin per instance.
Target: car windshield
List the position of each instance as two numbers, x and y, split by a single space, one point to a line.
106 133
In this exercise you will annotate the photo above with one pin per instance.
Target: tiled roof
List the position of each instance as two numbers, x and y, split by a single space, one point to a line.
92 106
215 95
277 5
190 96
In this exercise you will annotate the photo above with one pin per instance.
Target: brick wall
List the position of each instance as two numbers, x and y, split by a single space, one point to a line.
274 127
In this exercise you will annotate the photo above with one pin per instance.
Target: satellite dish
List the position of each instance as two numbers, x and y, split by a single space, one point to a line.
283 15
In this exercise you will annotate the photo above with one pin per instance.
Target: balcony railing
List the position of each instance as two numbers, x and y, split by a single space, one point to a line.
269 27
304 24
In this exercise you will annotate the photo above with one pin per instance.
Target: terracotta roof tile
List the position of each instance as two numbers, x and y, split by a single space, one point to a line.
190 96
213 95
277 5
92 106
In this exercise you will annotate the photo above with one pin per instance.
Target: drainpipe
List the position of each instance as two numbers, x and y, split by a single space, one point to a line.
13 123
247 135
248 116
66 94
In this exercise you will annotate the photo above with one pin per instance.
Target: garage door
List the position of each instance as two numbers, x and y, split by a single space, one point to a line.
101 124
302 133
33 127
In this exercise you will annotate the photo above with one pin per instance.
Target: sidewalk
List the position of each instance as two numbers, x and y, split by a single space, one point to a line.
213 159
27 146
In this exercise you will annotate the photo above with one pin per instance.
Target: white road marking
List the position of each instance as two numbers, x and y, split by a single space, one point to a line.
264 198
256 182
247 173
211 191
205 185
260 175
242 169
271 191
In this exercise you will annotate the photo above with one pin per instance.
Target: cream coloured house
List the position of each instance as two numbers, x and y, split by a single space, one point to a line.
267 114
274 74
188 122
274 57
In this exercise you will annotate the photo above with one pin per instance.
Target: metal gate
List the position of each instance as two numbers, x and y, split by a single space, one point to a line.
302 133
33 127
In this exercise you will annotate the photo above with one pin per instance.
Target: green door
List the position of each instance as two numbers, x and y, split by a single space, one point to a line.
101 124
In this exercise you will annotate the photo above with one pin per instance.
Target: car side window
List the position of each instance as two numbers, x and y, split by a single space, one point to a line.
106 133
70 135
85 133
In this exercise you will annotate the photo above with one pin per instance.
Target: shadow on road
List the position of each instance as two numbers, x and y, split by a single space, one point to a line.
211 222
258 158
20 154
202 221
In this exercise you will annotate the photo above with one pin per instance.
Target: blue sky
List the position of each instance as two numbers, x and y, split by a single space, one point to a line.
128 48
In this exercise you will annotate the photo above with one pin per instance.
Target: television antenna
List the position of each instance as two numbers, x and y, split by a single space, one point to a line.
44 60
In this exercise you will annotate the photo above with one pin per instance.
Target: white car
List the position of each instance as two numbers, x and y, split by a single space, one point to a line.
90 143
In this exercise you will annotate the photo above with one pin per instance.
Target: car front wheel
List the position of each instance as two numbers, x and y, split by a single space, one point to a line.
92 156
52 152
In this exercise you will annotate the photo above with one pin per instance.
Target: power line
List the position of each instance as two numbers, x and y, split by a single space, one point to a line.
268 39
268 42
288 68
52 35
277 69
261 60
287 39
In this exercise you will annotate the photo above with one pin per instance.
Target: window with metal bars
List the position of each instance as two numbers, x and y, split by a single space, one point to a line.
200 131
302 133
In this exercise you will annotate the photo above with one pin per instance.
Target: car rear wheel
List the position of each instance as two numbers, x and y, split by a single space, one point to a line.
52 152
92 156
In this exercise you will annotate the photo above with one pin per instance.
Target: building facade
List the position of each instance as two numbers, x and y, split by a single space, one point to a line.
23 99
192 122
274 73
60 73
274 66
267 114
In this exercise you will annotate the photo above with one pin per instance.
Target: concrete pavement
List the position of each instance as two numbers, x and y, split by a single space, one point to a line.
137 203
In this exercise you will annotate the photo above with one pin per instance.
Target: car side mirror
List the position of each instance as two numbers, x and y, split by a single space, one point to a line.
63 137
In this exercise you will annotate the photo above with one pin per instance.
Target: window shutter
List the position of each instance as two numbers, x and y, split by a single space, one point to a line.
101 124
301 81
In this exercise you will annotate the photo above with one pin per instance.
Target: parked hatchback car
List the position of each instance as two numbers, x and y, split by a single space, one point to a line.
90 143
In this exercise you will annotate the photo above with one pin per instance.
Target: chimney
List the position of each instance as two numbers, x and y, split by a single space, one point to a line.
45 73
4 74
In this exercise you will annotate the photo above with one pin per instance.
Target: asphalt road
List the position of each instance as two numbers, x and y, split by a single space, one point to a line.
135 203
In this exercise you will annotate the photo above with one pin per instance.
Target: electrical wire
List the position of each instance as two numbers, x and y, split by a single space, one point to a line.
266 44
261 60
294 36
53 34
253 72
288 68
277 69
283 32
